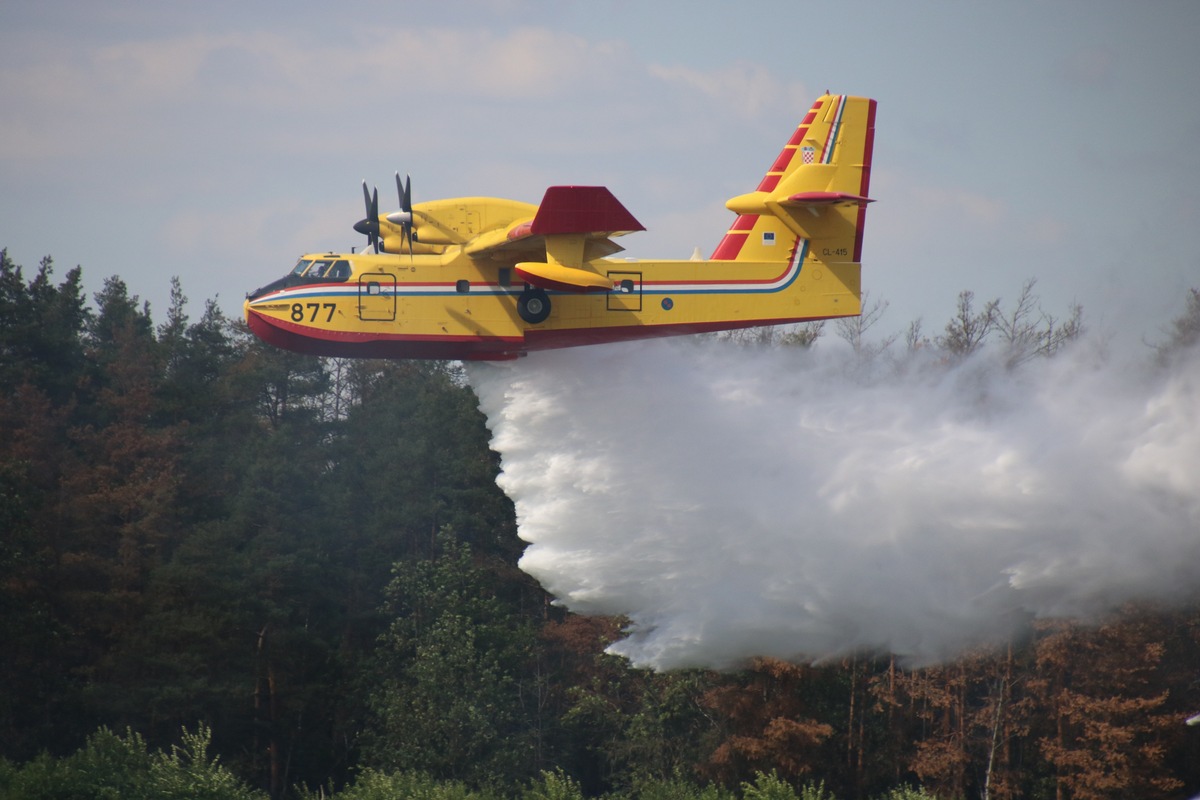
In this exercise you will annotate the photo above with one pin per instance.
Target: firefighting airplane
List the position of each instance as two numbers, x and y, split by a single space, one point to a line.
478 278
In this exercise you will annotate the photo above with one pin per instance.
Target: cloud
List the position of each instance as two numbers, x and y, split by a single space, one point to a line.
949 202
92 101
279 79
1096 66
930 220
527 63
746 88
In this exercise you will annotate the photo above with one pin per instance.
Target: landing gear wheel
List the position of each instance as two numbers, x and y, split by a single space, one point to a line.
534 306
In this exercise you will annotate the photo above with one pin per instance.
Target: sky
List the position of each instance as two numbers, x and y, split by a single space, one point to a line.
218 141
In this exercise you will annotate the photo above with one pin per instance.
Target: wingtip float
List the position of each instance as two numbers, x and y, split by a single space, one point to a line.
481 278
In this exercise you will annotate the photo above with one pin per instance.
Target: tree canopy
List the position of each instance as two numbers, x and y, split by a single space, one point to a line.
287 576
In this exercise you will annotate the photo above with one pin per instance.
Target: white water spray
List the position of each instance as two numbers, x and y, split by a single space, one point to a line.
736 502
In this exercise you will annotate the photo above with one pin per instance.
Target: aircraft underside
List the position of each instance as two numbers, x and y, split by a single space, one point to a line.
334 344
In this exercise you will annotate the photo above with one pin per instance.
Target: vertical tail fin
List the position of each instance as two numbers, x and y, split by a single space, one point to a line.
816 189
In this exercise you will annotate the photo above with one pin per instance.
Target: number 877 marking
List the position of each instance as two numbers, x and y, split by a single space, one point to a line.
298 311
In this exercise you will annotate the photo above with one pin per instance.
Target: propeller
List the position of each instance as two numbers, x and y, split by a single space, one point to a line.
404 217
370 226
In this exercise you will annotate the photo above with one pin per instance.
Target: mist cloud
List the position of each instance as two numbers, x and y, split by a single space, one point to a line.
736 502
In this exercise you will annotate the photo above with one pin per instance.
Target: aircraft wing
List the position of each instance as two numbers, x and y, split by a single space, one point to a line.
574 224
514 237
590 210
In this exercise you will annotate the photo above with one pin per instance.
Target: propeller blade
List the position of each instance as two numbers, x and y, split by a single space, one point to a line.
404 192
370 225
406 224
375 218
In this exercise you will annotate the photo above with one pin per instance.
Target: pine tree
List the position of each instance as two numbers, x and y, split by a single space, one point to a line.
1105 710
769 724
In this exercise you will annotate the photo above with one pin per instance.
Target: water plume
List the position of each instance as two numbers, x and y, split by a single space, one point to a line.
737 501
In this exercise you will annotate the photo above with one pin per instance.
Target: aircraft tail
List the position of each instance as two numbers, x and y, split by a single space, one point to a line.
816 190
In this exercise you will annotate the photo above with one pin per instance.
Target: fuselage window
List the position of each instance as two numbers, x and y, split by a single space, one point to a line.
340 271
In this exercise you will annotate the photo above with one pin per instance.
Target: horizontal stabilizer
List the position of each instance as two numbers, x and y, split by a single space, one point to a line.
582 209
561 278
825 199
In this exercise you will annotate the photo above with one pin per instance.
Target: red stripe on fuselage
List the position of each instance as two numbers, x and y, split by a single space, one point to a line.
311 341
578 337
353 344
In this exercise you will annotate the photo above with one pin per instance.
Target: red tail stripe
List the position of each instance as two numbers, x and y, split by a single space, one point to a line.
799 135
771 179
768 183
731 244
865 186
785 158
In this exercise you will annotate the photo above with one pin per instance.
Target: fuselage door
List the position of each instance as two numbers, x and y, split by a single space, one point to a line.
627 294
377 297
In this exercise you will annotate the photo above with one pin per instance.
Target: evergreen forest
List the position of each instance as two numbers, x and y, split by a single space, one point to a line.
230 571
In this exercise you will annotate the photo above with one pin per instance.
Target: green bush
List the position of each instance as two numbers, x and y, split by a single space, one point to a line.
372 785
114 767
772 787
815 791
679 790
186 773
768 787
907 793
556 785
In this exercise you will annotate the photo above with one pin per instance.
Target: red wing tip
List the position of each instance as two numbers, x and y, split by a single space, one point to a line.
582 209
521 231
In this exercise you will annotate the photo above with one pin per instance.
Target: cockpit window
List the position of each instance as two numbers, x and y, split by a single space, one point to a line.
306 271
327 269
318 269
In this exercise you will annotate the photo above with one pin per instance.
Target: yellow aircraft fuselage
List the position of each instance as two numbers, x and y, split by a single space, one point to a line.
483 278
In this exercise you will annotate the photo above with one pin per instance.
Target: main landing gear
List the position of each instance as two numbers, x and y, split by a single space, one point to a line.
533 305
